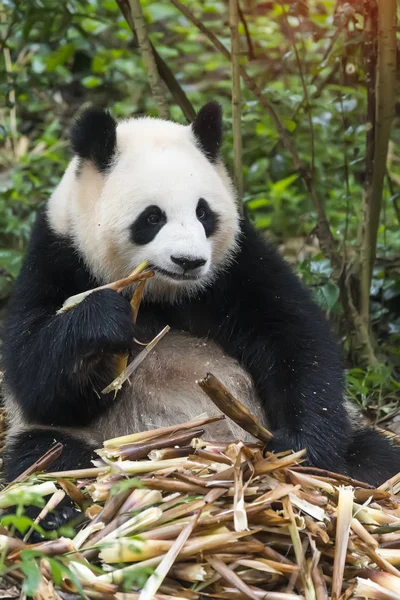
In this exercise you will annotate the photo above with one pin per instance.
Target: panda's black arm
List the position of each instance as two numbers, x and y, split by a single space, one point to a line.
269 323
56 365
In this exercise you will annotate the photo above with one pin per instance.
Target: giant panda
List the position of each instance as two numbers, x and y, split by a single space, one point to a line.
154 190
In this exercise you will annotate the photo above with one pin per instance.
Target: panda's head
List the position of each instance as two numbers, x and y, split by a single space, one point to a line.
147 189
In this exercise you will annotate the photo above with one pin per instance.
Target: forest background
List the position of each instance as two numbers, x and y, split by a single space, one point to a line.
311 100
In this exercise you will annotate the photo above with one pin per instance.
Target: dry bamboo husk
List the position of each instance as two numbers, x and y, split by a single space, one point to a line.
217 521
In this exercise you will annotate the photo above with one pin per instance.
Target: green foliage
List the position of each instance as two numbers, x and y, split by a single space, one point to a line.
376 390
137 578
125 485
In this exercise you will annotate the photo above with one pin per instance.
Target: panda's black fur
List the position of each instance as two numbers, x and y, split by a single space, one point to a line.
256 310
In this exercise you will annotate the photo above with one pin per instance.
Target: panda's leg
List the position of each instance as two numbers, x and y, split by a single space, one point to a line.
25 447
372 457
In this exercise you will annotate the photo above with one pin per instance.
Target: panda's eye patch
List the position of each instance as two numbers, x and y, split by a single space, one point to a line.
147 225
207 217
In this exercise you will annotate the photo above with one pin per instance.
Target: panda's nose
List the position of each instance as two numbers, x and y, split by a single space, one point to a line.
188 264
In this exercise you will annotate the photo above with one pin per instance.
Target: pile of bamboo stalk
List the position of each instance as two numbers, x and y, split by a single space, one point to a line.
170 515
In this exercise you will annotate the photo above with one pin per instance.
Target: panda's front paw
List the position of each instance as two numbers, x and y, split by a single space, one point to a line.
281 442
104 323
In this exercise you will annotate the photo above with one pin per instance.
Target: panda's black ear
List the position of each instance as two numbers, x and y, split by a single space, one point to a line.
207 128
94 137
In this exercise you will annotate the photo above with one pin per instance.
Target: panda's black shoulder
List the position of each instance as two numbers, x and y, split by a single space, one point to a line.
52 268
258 265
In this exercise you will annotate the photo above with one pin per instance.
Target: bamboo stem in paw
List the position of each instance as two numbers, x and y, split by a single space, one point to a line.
139 274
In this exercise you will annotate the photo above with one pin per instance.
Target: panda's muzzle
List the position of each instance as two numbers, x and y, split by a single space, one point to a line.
188 268
176 276
188 264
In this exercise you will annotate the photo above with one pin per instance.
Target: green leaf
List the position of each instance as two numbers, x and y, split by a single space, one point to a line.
322 267
32 577
19 496
258 203
99 64
21 523
327 295
57 570
124 485
290 125
91 81
263 222
59 57
10 261
280 186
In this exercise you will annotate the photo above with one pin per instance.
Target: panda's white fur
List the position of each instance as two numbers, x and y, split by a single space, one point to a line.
156 162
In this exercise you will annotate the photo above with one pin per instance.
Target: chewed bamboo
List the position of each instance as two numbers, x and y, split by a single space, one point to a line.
183 517
344 520
226 402
11 496
148 435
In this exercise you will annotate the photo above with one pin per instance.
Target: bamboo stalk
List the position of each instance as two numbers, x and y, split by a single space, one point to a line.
162 431
234 409
231 577
138 450
385 96
43 462
184 528
10 496
155 580
164 71
117 383
137 274
344 519
155 82
236 99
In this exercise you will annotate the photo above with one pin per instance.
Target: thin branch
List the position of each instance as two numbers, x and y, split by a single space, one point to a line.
236 99
346 179
172 84
155 82
385 100
326 239
378 147
250 48
306 98
163 69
